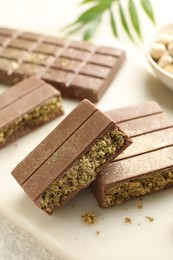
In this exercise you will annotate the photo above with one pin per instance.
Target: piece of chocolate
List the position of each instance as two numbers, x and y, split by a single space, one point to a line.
70 157
77 69
147 165
25 106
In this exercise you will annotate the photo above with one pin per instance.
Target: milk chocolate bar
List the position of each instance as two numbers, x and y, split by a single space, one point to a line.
70 157
147 165
77 69
25 106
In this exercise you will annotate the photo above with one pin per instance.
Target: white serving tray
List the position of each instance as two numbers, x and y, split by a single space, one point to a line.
64 233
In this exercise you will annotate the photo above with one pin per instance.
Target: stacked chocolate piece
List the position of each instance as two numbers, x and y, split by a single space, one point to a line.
147 165
83 150
70 158
77 69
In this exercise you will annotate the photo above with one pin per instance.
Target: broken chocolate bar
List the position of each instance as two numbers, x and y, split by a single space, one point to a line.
147 165
77 69
70 157
25 106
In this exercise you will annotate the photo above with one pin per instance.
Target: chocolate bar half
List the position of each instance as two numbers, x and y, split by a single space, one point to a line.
70 157
77 69
147 165
25 106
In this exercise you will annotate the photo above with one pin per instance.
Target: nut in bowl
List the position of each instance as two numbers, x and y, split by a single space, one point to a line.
159 53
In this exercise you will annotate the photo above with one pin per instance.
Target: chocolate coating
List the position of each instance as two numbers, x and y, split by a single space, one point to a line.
149 156
18 104
62 158
48 146
147 163
92 68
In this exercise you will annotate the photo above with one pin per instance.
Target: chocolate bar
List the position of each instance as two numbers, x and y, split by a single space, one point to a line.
25 106
77 69
70 157
147 165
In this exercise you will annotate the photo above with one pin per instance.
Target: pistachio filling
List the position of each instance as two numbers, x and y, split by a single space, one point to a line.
40 113
137 187
83 172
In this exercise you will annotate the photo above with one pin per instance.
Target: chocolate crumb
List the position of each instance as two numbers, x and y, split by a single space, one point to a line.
89 218
73 206
139 205
150 218
128 220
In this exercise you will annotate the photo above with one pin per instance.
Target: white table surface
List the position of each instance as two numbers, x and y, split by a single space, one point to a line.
49 16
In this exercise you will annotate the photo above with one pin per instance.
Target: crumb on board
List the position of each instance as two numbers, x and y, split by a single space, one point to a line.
139 205
73 205
89 218
139 224
128 220
97 233
124 208
16 145
149 218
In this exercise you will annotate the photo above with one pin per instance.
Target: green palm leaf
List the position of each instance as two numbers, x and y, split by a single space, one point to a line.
73 28
92 12
86 17
124 22
91 18
113 24
146 4
134 18
91 29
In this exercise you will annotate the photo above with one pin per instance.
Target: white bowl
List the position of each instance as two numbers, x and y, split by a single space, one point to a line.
165 77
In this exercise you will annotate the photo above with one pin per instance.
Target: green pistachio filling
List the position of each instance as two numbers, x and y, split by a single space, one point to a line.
137 187
83 172
39 114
